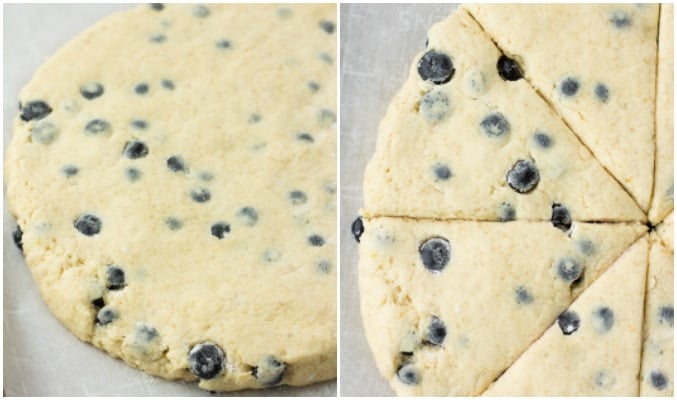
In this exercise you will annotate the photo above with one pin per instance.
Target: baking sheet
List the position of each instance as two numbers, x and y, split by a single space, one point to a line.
40 357
378 45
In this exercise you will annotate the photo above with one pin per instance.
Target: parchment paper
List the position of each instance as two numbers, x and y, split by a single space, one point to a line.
40 356
378 44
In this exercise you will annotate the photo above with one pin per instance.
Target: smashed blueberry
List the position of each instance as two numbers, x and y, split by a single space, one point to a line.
200 11
437 331
435 67
88 224
34 110
177 164
357 229
200 195
602 92
408 374
666 314
442 172
248 215
145 333
435 106
106 315
569 269
168 84
323 266
139 124
223 44
157 6
133 174
91 90
269 372
173 223
604 319
523 295
135 149
206 360
569 322
569 86
523 176
141 88
327 26
620 19
97 126
508 69
506 212
495 125
561 219
44 132
435 253
297 197
313 86
543 140
18 238
98 303
316 240
220 229
658 380
305 137
115 278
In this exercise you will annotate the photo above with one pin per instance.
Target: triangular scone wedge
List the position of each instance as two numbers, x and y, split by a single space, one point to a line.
593 349
666 231
663 194
658 370
450 328
596 64
447 150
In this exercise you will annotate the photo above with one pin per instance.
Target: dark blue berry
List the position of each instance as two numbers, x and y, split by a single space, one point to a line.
173 223
220 229
569 322
206 360
145 333
658 380
435 67
269 372
523 176
97 126
604 319
35 110
88 224
666 314
157 6
159 38
313 86
133 174
495 125
18 238
508 69
602 92
98 303
560 218
506 212
139 124
569 86
248 216
168 84
223 44
115 278
91 90
305 137
316 240
200 195
620 19
254 119
435 253
177 164
141 88
135 149
437 331
569 269
44 132
106 315
327 26
357 228
523 295
297 197
586 247
408 374
442 172
543 140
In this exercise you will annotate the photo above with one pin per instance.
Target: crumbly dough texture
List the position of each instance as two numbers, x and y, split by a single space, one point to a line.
610 103
658 367
222 220
601 355
666 232
499 291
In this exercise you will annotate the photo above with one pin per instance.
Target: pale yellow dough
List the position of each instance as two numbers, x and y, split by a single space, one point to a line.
600 357
666 231
247 82
613 45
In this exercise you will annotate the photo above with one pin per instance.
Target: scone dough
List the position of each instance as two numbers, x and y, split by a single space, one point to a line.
173 172
666 231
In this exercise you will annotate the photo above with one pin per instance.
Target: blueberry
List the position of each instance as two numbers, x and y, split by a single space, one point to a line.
603 319
206 176
88 224
523 295
506 212
569 322
91 90
408 374
604 379
569 86
523 176
220 229
495 125
442 172
115 278
145 333
34 110
437 331
157 6
305 137
323 266
658 380
542 140
357 228
586 247
200 195
223 44
569 269
316 240
269 372
135 149
561 219
435 67
97 126
602 92
168 84
326 57
435 106
435 253
173 223
666 314
141 88
284 13
327 117
248 216
508 69
44 132
254 119
133 174
159 38
327 26
18 238
98 303
313 86
620 19
206 360
106 315
297 197
177 164
200 11
139 124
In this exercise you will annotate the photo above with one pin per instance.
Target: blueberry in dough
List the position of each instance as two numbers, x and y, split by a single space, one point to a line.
437 331
220 229
159 38
248 215
297 197
135 149
98 303
200 195
569 86
269 372
139 124
603 319
115 278
523 176
316 240
145 333
442 172
509 69
435 253
44 132
569 322
133 174
88 224
435 106
313 86
97 126
569 269
506 212
620 19
106 315
408 374
177 164
658 380
523 295
168 84
666 314
174 224
305 137
157 6
35 110
91 90
561 219
223 44
141 88
543 140
200 11
18 238
602 92
495 125
357 229
435 67
327 26
206 360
